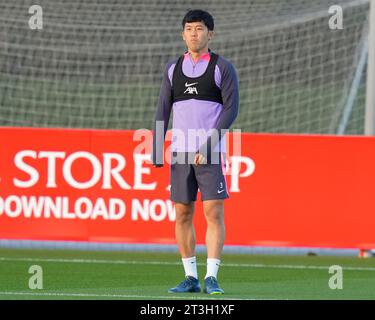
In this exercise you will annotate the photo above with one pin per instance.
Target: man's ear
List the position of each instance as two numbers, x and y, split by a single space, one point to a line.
182 35
210 34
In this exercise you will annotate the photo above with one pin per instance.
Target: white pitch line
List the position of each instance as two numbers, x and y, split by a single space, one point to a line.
90 261
136 262
105 295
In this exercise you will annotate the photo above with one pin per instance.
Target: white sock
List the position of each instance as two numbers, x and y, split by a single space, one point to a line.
190 266
212 268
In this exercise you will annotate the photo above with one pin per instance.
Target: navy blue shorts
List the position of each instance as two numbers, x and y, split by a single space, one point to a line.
186 178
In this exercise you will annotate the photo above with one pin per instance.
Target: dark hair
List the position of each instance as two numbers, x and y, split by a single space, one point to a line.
199 16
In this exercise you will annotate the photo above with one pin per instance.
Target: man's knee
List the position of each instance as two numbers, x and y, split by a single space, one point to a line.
214 211
215 217
184 212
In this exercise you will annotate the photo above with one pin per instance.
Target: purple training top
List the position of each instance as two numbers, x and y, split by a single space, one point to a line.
194 114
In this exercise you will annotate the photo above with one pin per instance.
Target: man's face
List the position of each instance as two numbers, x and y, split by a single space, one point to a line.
196 36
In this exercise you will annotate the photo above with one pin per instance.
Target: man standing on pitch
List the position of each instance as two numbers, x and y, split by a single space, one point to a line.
202 89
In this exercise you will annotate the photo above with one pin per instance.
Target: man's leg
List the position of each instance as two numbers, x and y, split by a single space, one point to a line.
185 236
184 229
215 236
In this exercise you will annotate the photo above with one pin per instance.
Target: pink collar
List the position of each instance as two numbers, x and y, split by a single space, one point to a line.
205 56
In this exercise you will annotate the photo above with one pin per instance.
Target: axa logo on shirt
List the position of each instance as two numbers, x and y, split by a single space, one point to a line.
190 89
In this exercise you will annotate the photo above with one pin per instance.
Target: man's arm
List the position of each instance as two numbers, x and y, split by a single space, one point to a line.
230 96
161 120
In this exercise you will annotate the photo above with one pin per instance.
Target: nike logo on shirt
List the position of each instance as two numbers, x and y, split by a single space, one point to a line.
190 84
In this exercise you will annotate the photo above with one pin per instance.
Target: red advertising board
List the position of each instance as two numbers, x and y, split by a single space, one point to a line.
94 185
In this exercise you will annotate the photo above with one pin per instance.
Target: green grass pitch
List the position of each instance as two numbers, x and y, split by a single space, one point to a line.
148 275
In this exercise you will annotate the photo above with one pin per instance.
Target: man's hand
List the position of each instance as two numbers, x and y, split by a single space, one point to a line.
199 159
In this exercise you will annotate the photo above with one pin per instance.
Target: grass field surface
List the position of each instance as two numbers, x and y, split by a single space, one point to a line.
145 275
